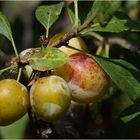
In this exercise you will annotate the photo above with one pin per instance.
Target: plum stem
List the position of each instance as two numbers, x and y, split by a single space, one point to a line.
107 49
8 68
19 74
76 13
99 50
14 47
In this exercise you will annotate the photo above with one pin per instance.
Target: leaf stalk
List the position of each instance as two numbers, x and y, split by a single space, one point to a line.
14 47
19 74
76 13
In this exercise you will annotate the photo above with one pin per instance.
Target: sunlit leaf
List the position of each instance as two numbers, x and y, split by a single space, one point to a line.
124 74
116 24
48 14
47 59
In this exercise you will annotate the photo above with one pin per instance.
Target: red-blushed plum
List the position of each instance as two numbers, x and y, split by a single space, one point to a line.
87 80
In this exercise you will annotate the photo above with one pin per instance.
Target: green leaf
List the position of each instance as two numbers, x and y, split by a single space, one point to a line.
126 54
106 10
128 118
47 15
116 24
124 74
91 9
15 130
47 59
5 28
130 110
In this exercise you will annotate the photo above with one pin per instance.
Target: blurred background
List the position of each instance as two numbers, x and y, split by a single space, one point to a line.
27 30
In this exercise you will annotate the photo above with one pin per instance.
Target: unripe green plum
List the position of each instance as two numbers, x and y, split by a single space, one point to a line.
87 80
50 98
75 42
14 101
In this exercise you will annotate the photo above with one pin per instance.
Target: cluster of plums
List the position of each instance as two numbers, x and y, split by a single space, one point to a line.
81 79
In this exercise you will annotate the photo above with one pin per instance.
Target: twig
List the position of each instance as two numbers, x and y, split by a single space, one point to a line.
8 68
122 42
93 34
44 41
62 41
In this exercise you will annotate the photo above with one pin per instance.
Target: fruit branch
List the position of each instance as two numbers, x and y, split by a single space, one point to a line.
93 34
111 41
122 42
63 41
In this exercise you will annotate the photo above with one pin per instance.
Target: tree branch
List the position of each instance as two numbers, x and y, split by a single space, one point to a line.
122 42
62 41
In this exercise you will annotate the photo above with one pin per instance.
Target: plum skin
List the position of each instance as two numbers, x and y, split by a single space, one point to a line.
76 42
87 80
14 101
50 98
